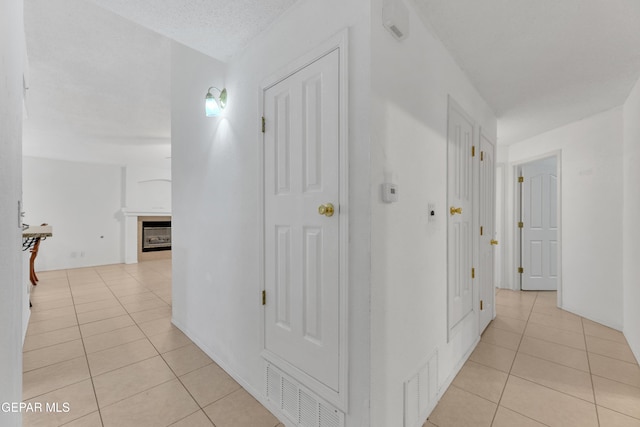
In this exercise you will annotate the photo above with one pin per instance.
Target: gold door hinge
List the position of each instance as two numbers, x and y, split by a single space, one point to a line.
481 230
521 179
482 156
481 305
473 273
521 224
264 297
520 270
473 151
264 125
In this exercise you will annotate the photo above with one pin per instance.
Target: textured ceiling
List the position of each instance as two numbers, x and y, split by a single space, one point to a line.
218 28
99 70
98 84
542 63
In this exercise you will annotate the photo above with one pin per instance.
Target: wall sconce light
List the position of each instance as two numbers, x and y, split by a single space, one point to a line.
213 107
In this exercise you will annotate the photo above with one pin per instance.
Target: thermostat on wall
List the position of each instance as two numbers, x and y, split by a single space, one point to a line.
389 192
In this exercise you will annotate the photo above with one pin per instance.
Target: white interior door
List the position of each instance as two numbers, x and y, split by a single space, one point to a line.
488 240
460 213
498 271
301 246
539 225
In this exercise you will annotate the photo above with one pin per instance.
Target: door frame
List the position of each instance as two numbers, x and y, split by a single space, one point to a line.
517 206
338 42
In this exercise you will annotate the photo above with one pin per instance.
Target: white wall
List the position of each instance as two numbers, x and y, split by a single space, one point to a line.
411 81
11 277
631 227
82 202
591 214
147 189
215 192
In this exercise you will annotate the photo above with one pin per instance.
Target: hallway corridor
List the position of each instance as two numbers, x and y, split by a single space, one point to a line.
537 365
101 340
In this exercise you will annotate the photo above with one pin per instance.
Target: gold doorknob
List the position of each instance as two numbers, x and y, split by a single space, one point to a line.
454 211
494 242
327 209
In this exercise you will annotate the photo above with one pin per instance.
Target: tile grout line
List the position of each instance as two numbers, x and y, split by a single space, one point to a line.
591 374
593 388
200 408
84 356
91 376
93 386
514 361
134 322
128 314
615 381
555 343
196 401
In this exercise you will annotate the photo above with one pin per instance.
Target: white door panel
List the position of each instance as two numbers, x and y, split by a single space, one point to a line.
487 234
539 219
302 251
460 196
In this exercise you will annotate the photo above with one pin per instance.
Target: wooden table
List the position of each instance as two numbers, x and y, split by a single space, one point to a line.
35 231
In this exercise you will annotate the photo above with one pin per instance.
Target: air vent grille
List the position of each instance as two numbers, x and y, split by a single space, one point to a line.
420 393
274 387
308 410
329 417
301 406
289 398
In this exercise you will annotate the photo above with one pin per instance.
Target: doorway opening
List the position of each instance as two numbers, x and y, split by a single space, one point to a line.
538 236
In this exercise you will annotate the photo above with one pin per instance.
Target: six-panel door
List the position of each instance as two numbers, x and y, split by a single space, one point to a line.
301 244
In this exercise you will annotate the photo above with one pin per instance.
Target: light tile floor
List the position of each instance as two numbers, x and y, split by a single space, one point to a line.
537 365
101 340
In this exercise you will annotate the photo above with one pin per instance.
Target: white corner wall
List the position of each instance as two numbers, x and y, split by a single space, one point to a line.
215 193
411 82
11 277
82 202
631 227
591 213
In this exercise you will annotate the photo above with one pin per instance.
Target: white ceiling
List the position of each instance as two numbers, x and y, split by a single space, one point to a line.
100 69
541 64
218 28
99 85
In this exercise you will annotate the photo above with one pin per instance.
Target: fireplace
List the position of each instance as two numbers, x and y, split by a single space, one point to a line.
156 236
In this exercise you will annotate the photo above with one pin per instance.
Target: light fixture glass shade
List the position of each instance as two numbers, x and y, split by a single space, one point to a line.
213 107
